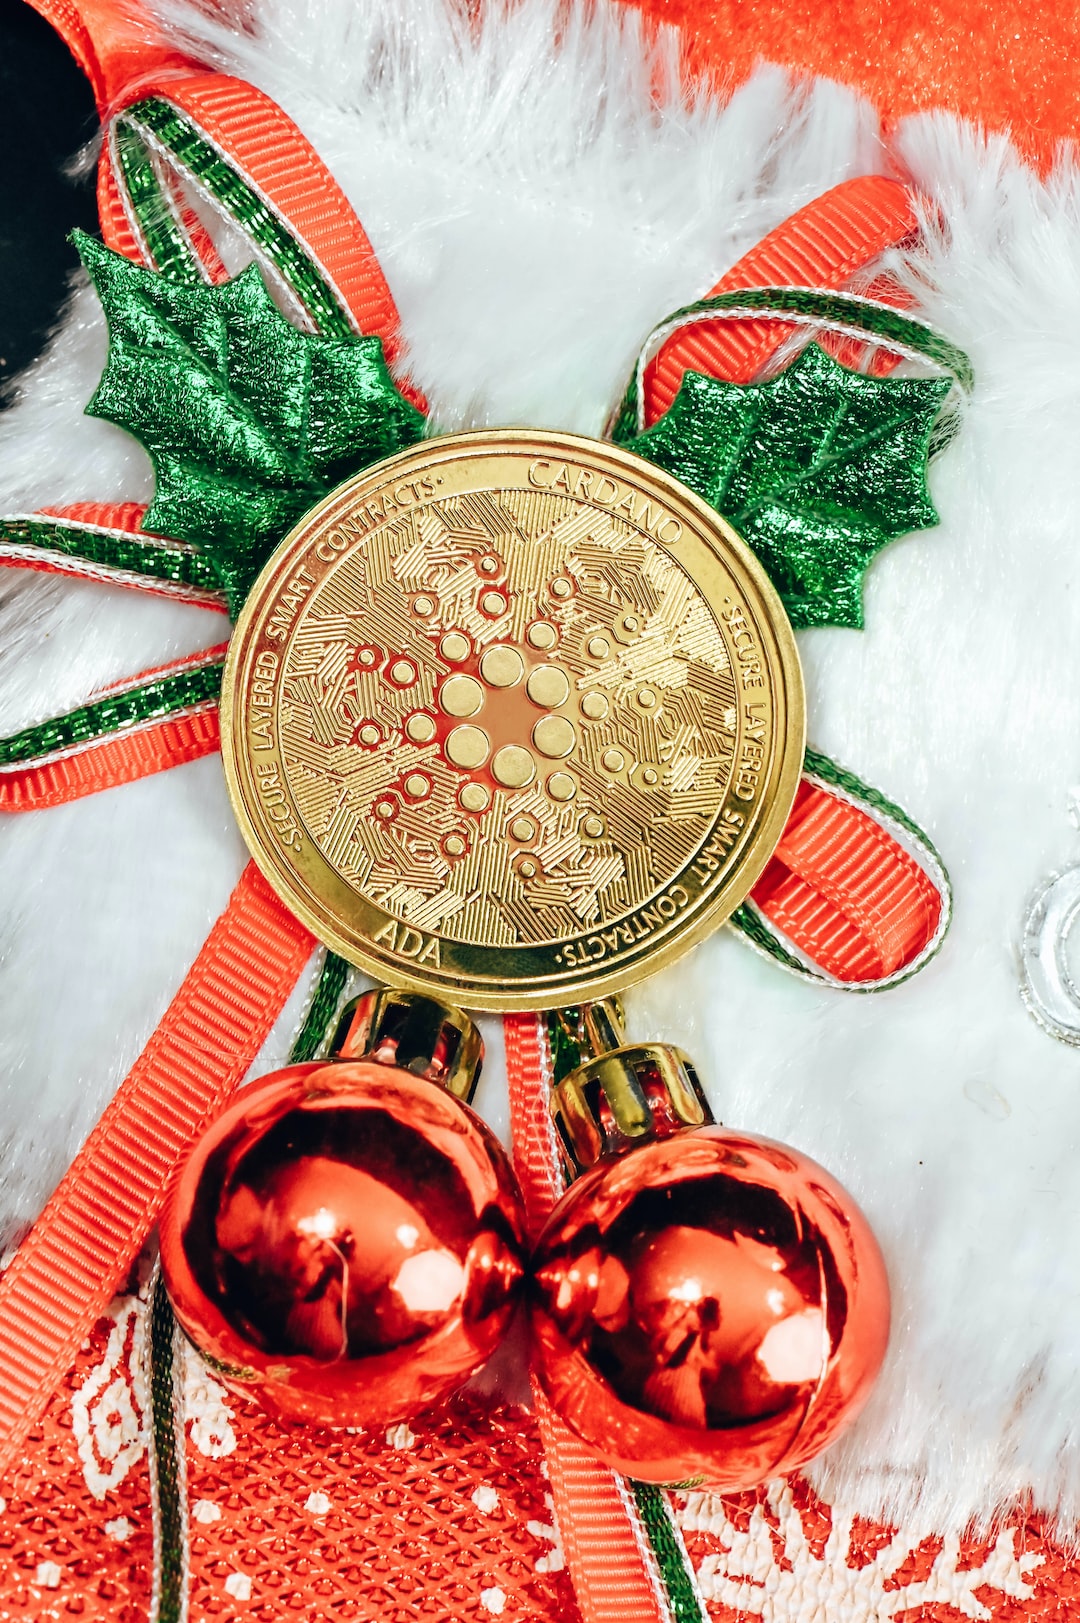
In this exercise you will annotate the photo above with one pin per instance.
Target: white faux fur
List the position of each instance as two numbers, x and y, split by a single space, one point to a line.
537 206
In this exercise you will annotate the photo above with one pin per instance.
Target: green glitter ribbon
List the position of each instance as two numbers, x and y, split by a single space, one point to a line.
166 1459
155 123
319 1021
127 559
684 1596
130 707
752 924
165 241
569 1047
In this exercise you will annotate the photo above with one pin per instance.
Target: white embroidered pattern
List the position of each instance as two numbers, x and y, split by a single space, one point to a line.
747 1577
206 1408
109 1409
555 1560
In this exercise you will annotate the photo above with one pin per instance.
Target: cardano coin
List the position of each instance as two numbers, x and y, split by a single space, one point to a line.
513 716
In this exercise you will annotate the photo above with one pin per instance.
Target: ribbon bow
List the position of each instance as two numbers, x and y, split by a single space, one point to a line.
249 418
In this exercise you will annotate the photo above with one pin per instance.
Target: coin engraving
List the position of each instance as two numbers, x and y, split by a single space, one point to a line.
510 708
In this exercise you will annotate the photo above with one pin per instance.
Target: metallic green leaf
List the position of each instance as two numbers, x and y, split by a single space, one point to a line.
248 422
817 468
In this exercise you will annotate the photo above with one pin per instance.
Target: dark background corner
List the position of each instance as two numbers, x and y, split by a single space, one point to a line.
46 115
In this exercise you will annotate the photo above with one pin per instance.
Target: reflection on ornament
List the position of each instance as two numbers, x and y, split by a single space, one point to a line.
705 1305
346 1241
1047 986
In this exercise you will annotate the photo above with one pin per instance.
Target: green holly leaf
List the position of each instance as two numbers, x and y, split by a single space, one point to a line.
817 469
248 422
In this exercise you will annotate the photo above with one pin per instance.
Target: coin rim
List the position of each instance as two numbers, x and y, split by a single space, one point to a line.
575 986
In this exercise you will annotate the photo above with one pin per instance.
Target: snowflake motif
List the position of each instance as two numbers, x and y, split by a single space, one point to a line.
109 1408
555 1560
208 1415
768 1568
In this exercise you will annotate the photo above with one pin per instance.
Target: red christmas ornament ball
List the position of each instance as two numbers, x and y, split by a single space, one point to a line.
345 1242
709 1306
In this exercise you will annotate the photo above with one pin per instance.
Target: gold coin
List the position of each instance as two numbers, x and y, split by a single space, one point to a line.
406 857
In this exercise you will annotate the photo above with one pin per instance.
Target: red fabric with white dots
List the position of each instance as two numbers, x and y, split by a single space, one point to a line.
449 1520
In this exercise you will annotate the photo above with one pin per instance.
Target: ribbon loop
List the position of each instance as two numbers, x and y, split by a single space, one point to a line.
855 896
232 147
822 245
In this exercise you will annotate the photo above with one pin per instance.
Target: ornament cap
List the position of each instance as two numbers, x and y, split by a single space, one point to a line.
417 1034
632 1094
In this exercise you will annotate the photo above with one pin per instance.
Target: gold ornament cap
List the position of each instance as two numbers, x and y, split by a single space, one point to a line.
414 1033
626 1095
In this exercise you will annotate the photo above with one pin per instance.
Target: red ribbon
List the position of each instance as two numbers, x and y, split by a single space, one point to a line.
846 892
823 245
87 1238
154 748
602 1538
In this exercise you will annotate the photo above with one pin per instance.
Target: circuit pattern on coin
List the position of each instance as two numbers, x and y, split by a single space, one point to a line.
508 717
512 705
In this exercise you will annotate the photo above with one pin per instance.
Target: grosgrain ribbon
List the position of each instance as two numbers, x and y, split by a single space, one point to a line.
822 245
91 1230
856 907
612 1567
103 542
124 758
